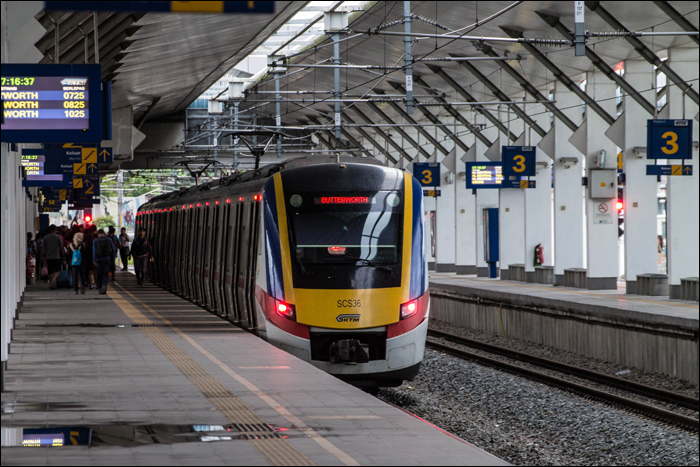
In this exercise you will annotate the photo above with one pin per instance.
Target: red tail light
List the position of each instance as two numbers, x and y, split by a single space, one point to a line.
285 310
336 250
408 309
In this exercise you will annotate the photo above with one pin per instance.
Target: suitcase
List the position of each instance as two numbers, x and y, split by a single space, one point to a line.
64 279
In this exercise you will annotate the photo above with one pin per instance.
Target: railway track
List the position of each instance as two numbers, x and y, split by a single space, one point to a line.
647 391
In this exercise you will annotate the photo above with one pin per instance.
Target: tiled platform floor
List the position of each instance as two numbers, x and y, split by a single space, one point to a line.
144 357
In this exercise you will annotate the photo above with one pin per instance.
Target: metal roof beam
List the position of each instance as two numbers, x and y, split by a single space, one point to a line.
463 92
373 141
502 96
330 132
529 88
678 18
455 114
379 132
645 51
422 130
599 63
411 141
433 119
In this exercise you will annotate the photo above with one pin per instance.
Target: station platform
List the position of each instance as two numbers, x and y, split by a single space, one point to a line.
649 332
148 378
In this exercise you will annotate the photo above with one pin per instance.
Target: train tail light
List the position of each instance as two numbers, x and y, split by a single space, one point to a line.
408 309
336 250
285 310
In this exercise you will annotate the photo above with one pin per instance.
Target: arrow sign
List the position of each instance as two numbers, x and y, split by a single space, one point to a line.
106 156
669 170
92 169
518 184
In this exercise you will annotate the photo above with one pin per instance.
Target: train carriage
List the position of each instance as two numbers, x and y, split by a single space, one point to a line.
323 259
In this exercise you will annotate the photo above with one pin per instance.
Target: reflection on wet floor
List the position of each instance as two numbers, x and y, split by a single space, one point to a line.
136 435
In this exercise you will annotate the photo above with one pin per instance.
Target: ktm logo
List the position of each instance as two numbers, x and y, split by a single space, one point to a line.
348 318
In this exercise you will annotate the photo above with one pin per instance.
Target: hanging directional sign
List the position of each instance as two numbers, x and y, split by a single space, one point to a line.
518 160
518 184
105 155
88 188
66 158
427 173
432 193
669 139
79 169
77 183
669 170
89 155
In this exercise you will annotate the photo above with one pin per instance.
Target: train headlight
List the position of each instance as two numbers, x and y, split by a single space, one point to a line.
408 309
285 310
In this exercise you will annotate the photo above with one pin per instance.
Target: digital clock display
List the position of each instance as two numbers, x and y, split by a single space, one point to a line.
45 103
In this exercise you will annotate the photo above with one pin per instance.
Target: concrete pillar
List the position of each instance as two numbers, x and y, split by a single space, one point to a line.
640 200
484 199
465 212
538 201
568 194
602 242
511 213
445 261
682 214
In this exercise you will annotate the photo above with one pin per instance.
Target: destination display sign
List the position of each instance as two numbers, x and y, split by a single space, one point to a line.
48 103
33 164
484 175
45 103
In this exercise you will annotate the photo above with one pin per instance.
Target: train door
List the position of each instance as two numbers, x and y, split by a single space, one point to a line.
231 249
158 233
217 258
175 239
252 264
211 257
169 246
206 255
194 265
242 266
187 251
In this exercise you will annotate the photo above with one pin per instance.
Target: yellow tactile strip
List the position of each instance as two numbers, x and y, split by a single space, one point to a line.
275 449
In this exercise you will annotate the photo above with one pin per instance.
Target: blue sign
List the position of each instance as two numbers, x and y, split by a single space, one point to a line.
105 155
669 170
484 175
87 189
518 161
164 7
47 103
669 139
427 173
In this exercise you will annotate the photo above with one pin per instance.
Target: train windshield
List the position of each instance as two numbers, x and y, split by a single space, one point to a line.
336 236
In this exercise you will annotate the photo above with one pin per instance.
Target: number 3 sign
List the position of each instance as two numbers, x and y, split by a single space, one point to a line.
427 173
669 139
518 161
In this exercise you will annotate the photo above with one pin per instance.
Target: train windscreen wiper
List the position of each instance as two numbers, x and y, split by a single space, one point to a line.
367 262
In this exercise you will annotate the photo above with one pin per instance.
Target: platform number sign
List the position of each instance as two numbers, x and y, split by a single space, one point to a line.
669 139
427 173
518 161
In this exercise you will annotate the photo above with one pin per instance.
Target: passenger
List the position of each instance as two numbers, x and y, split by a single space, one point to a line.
31 245
124 241
115 242
141 251
103 253
77 254
54 254
88 261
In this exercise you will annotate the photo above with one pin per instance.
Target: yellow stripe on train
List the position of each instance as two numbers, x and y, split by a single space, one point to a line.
348 309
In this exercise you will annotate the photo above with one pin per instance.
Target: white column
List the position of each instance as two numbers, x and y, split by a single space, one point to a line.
602 243
538 201
511 213
682 215
640 200
568 193
445 261
465 212
487 198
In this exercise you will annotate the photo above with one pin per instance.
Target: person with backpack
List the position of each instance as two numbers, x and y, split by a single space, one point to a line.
111 231
76 250
141 251
103 254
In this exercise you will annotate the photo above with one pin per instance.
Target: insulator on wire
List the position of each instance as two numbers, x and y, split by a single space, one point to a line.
431 22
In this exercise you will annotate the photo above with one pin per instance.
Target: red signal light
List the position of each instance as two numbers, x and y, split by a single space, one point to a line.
207 203
619 205
336 250
228 200
217 201
88 219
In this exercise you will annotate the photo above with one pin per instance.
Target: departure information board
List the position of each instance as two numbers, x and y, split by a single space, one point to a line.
484 175
45 103
51 103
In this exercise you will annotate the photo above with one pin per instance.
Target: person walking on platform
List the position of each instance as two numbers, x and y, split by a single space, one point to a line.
77 254
115 242
54 254
103 253
90 270
141 251
124 242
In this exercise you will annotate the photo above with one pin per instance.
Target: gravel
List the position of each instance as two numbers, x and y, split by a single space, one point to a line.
528 423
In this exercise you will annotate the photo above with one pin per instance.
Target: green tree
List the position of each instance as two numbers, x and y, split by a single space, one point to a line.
103 222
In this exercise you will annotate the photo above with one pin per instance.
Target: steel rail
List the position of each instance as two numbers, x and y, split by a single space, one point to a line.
649 410
649 391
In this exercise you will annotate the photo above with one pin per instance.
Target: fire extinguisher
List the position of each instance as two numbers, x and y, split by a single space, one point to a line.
31 268
539 255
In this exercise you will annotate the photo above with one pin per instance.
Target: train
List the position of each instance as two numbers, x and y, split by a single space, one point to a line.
322 257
